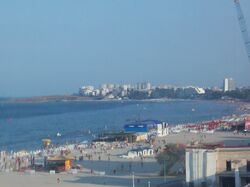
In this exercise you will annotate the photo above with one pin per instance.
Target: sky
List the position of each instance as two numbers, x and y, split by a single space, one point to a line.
54 47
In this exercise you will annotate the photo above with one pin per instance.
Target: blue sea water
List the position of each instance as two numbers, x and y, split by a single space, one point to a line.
24 125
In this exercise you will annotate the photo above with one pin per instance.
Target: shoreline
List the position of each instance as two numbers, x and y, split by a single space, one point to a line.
238 112
78 98
241 117
240 108
106 159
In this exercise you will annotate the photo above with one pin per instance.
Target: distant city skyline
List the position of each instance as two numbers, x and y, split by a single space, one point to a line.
54 47
140 90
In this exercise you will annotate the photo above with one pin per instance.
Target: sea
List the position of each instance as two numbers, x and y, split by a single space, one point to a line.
24 125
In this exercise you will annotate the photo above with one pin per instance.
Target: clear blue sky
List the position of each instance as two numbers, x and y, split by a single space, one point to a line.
56 46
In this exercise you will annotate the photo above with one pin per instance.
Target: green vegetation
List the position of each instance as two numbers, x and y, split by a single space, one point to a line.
242 94
171 154
189 93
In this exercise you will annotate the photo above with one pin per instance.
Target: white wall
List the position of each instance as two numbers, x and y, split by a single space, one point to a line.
211 168
200 166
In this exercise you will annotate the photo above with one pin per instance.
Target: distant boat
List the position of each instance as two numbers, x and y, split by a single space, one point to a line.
193 109
58 134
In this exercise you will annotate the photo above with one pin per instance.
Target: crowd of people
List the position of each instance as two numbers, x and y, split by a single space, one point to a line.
12 161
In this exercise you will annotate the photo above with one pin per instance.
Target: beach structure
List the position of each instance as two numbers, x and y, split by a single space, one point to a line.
217 165
136 127
141 137
141 126
46 143
128 137
140 152
38 163
142 129
162 129
59 163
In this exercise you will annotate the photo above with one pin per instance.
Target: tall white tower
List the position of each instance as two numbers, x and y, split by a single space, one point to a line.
228 84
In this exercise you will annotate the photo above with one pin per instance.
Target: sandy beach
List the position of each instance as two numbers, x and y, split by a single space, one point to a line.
228 138
118 171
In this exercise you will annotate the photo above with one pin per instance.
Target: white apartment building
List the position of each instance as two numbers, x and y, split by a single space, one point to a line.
228 84
217 166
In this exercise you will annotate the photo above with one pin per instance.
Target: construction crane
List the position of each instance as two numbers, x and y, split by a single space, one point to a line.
243 27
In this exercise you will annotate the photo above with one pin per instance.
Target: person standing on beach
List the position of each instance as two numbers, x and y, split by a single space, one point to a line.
142 163
19 163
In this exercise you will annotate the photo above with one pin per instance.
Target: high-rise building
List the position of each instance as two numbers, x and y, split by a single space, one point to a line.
147 85
228 84
143 86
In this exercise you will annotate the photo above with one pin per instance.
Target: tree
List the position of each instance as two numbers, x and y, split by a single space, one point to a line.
171 154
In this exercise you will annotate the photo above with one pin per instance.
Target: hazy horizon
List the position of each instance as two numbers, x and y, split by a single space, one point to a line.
55 47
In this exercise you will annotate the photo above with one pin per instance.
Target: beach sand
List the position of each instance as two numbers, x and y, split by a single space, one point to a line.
110 161
149 172
227 138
